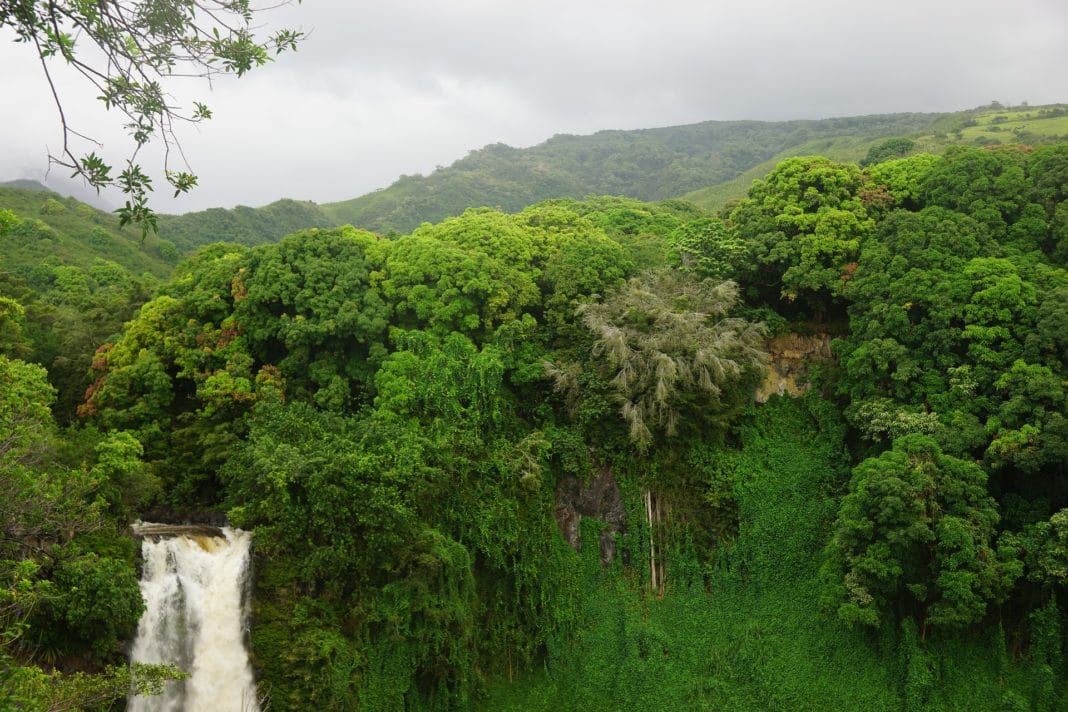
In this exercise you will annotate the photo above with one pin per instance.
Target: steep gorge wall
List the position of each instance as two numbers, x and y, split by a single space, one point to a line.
600 498
791 355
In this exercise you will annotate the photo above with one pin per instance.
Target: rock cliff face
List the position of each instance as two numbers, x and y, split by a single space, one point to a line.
598 498
790 357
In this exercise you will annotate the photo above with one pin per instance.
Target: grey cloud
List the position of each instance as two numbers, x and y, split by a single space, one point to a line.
380 90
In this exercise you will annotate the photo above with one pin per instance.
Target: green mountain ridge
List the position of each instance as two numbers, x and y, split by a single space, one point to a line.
25 184
708 163
243 225
71 232
647 164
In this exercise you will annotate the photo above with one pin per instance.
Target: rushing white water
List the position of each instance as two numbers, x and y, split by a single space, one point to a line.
195 612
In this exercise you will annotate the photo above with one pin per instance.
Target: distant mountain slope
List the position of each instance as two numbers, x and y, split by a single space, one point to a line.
25 184
67 187
244 225
709 163
647 164
981 126
67 231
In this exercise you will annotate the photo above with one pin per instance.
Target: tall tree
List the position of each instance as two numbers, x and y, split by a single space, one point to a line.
804 224
914 538
672 352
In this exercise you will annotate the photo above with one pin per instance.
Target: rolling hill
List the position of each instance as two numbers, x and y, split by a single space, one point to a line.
709 164
647 164
982 126
67 231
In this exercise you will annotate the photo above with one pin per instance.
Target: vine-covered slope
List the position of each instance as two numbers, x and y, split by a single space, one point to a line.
515 460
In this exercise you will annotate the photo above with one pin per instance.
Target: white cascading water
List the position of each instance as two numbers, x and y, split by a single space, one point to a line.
195 612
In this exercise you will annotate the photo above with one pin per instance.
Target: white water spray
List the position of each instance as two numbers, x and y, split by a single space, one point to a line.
193 584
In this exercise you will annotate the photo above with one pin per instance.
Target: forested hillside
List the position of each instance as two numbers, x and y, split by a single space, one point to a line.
243 225
983 126
515 461
69 279
648 164
42 225
710 163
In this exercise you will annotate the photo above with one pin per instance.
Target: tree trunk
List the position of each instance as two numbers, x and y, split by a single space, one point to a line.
648 497
655 512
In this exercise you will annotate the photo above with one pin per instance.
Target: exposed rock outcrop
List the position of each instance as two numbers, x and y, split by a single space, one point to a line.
598 498
791 355
162 530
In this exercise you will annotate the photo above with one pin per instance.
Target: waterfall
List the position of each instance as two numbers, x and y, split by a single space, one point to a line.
194 584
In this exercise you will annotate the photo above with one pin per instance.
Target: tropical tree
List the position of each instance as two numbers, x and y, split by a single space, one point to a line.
12 324
56 595
914 538
672 352
890 148
803 224
991 186
708 249
468 274
308 307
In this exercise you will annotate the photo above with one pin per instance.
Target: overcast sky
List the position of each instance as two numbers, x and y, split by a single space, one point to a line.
399 87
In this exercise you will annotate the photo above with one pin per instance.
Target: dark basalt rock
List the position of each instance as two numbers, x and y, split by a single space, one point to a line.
192 530
598 498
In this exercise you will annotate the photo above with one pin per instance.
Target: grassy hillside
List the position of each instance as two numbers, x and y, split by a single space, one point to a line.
709 163
979 127
648 164
73 233
843 148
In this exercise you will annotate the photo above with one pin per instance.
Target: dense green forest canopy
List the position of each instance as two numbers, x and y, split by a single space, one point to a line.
407 423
